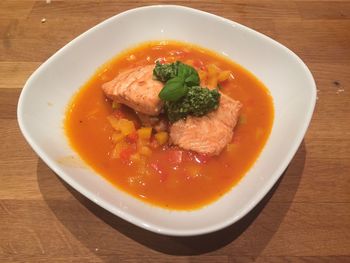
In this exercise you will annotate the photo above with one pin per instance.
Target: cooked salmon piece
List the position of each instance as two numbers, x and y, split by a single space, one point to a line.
137 89
208 134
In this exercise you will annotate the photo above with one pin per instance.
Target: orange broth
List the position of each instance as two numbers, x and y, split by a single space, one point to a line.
185 186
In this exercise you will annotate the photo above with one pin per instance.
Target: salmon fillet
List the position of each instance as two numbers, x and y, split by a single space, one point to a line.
208 134
137 89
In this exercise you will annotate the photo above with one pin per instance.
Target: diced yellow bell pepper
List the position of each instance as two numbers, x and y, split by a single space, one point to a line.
213 70
126 127
123 125
144 133
114 122
117 137
213 82
161 137
224 75
119 147
145 151
202 75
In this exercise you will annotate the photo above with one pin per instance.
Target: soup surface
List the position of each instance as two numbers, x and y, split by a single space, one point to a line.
168 176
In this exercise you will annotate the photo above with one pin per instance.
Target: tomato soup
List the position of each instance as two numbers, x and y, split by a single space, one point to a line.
170 177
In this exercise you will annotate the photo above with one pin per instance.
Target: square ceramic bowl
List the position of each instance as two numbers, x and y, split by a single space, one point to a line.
46 94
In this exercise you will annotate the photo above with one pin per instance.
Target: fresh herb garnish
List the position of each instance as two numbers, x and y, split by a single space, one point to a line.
197 102
174 89
188 74
177 77
164 72
182 94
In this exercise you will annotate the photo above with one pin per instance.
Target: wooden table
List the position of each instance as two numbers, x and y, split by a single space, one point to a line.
305 218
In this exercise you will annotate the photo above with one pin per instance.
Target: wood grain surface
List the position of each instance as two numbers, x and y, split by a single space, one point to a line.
305 218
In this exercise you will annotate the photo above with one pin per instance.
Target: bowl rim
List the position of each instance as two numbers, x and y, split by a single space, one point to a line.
267 186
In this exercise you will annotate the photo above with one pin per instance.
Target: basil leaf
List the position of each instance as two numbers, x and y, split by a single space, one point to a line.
177 77
173 89
189 74
183 70
192 80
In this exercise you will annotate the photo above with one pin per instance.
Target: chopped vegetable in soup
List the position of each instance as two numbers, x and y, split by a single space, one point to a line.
171 123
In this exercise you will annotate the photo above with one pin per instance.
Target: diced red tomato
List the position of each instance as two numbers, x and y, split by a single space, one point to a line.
199 158
126 153
198 64
174 157
132 137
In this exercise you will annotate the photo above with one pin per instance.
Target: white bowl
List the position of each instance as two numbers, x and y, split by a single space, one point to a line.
46 94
